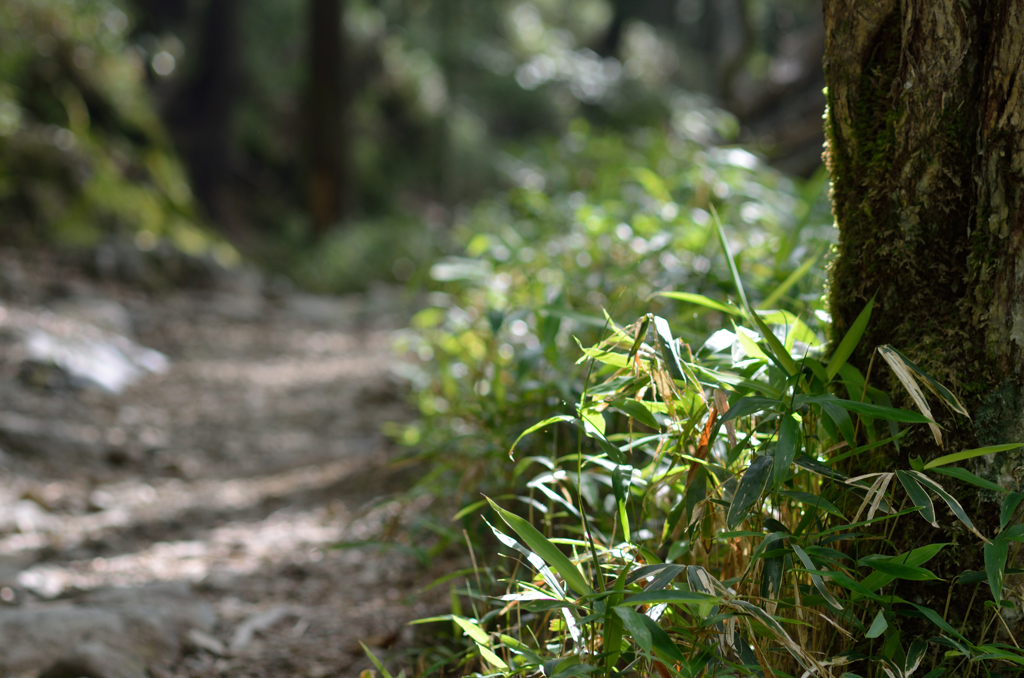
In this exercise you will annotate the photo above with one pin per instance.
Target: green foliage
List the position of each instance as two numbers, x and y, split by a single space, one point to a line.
586 228
689 502
82 152
735 534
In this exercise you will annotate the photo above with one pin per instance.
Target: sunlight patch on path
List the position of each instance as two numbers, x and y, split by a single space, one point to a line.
134 503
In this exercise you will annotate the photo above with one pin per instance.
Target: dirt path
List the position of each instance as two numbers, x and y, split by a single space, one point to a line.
234 471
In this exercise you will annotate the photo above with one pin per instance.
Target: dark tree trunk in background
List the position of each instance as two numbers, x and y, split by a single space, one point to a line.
926 150
329 180
201 113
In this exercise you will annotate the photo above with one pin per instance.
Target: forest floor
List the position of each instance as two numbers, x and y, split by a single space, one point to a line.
236 470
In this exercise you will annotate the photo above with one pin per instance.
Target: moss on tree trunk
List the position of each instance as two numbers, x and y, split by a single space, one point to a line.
925 131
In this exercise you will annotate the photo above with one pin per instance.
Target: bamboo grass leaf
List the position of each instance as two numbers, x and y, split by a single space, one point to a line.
633 622
545 549
779 351
968 477
867 409
671 597
969 454
771 582
785 451
878 626
669 348
636 410
840 417
753 483
901 368
700 300
536 427
536 561
951 501
744 407
724 242
815 466
886 565
995 565
814 501
792 279
918 496
918 556
1010 503
816 579
849 341
376 662
944 394
661 643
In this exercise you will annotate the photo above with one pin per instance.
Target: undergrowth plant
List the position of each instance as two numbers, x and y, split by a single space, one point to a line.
587 225
709 519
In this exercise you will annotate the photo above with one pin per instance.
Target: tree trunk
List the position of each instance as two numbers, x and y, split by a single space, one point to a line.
329 190
926 151
201 114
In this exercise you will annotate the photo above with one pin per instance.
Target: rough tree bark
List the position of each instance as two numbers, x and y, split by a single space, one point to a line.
926 151
328 187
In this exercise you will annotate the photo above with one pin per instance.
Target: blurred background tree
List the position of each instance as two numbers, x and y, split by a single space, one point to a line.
364 125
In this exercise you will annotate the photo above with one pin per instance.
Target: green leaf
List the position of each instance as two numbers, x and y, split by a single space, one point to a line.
700 300
376 662
790 280
545 549
813 500
621 478
522 648
771 579
918 556
593 421
785 360
995 564
472 629
915 655
934 618
1010 503
637 410
673 597
951 502
607 357
753 483
918 496
850 341
751 347
815 466
669 349
886 565
968 454
968 477
724 242
661 643
866 409
536 427
878 626
749 405
816 579
841 418
633 621
785 451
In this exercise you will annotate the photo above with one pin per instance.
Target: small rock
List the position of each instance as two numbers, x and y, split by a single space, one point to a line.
204 641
